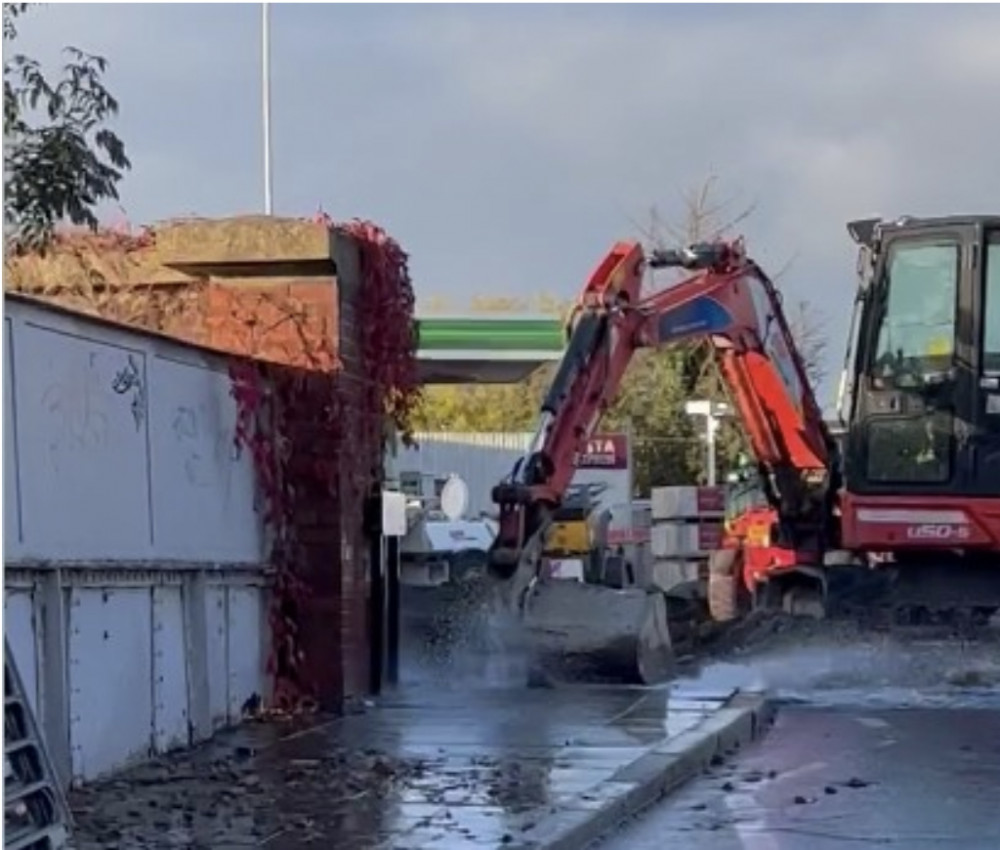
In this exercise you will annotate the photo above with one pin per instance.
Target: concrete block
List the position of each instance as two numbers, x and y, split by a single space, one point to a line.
669 575
241 244
686 502
684 540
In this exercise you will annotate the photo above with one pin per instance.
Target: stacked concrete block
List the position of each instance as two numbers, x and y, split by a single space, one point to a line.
684 503
629 531
630 524
686 528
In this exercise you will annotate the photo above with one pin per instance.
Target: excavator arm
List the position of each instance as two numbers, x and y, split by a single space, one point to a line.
727 300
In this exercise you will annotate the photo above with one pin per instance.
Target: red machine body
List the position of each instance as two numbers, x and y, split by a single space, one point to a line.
905 523
914 483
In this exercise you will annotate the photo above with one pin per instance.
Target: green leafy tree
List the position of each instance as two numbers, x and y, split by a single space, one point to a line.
650 407
60 158
492 407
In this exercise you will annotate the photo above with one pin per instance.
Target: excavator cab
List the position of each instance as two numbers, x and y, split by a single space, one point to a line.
924 417
921 406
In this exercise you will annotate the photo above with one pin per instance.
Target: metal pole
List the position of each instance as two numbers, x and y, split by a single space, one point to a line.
711 424
265 45
630 460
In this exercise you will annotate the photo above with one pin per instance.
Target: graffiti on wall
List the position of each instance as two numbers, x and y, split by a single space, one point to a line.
207 448
76 410
124 448
79 408
128 382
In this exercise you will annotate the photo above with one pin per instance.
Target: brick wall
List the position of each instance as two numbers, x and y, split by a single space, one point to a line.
286 324
293 322
356 573
334 625
309 324
331 632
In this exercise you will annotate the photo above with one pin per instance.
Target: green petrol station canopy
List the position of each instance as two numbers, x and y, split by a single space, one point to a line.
472 349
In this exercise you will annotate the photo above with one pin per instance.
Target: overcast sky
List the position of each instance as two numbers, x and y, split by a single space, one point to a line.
507 147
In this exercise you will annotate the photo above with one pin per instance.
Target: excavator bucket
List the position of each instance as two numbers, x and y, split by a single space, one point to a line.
589 631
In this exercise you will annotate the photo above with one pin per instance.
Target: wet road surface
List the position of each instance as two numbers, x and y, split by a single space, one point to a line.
443 767
827 779
464 756
882 741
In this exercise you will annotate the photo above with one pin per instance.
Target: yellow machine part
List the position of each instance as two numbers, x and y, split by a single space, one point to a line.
568 537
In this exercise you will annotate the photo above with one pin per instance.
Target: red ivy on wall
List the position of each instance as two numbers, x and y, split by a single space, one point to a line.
291 422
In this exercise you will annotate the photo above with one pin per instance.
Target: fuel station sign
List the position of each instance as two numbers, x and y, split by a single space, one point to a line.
604 451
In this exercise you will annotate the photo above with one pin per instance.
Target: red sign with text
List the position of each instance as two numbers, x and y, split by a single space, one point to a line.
604 451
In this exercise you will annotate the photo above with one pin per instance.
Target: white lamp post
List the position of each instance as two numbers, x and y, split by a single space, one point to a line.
711 412
265 64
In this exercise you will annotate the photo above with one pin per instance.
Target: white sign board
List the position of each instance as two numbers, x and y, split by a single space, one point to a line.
393 514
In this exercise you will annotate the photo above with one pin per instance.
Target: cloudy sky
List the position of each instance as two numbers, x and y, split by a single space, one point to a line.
507 147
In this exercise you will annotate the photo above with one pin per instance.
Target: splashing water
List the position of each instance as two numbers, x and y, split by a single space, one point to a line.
836 664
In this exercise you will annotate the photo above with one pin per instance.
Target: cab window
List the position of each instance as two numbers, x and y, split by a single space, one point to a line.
991 328
916 336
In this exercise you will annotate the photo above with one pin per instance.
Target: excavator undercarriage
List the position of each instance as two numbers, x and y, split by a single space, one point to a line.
899 512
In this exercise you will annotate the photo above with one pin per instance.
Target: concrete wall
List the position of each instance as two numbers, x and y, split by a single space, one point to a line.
134 589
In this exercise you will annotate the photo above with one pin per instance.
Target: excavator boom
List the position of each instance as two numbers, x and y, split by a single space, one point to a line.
730 302
727 301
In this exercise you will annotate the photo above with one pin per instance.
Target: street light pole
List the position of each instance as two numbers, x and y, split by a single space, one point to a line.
711 412
265 45
711 426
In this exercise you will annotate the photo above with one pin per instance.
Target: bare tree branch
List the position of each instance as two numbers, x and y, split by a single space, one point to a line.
783 270
810 337
706 216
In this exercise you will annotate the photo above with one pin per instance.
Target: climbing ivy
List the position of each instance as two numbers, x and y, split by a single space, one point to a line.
295 424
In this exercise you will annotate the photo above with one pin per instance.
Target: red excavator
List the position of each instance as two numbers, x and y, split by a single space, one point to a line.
911 490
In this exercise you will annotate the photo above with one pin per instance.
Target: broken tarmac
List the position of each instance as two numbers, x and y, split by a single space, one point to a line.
428 768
